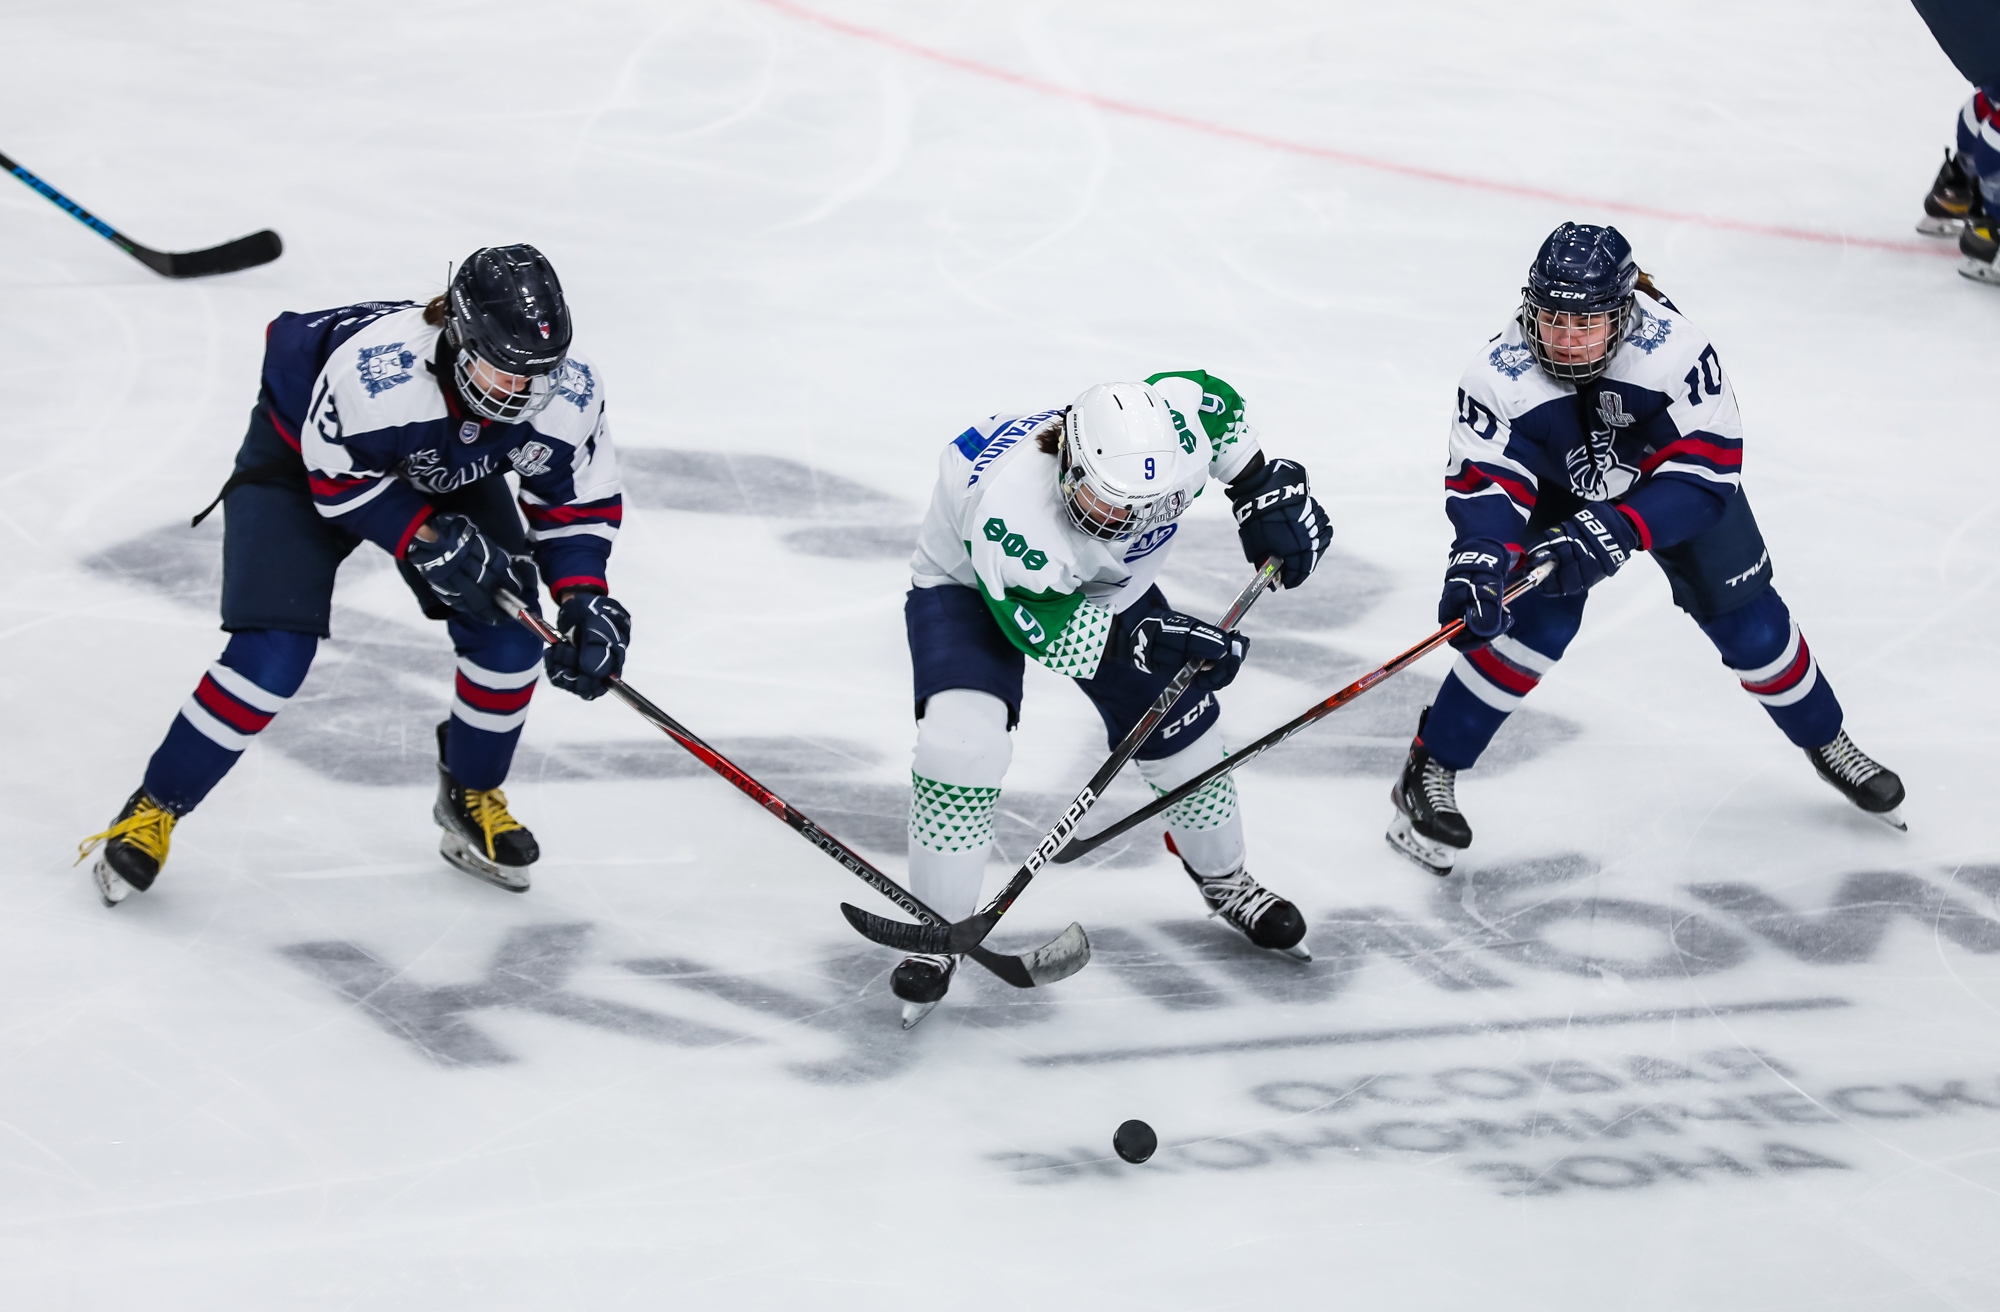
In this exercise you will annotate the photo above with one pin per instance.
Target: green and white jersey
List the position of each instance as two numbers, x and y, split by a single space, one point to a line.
997 523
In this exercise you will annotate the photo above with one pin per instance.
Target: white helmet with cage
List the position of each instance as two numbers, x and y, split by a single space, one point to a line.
1122 461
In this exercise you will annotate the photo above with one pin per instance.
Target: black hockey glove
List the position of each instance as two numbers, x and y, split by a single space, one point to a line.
1277 516
1474 582
595 630
1163 642
1587 548
467 569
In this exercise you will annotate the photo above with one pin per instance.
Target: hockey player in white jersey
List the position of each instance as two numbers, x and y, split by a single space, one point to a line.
1043 540
1597 426
394 423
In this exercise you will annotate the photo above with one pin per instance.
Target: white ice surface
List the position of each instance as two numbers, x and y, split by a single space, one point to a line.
785 241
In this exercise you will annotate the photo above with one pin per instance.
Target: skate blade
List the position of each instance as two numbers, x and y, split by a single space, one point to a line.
1298 952
1935 226
1978 270
914 1012
472 861
1433 856
1893 817
111 886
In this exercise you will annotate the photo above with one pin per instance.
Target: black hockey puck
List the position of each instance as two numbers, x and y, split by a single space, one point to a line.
1135 1141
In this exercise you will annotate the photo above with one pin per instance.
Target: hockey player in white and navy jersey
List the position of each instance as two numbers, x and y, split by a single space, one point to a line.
1044 538
1597 426
394 423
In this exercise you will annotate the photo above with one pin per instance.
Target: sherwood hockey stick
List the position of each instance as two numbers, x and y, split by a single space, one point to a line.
1286 730
1061 957
243 253
967 934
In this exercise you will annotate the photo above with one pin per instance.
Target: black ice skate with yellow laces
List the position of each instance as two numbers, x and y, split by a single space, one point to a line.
480 837
135 847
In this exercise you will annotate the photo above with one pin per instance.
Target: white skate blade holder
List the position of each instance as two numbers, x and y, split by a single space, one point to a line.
1432 855
1933 226
914 1012
111 887
1978 270
476 863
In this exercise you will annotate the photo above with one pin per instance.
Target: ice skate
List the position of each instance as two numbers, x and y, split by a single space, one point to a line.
1951 201
480 837
1979 243
1865 782
1428 827
921 982
135 847
1254 911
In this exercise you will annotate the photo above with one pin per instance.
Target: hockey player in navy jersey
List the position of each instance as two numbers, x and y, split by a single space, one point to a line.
1597 426
394 423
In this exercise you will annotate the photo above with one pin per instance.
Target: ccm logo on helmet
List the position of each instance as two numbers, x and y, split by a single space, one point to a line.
1558 293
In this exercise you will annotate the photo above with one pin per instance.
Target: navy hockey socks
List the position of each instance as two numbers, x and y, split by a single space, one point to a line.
242 692
1763 647
497 668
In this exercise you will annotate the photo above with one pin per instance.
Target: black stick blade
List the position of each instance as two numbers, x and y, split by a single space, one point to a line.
230 257
898 934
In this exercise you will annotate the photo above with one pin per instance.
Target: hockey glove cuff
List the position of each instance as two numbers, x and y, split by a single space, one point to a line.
595 630
1474 581
1163 643
1277 516
1587 548
467 569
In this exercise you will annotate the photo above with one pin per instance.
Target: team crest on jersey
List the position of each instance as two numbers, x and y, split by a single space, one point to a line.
1649 332
468 432
1512 359
1595 472
576 384
1150 541
426 468
384 367
531 459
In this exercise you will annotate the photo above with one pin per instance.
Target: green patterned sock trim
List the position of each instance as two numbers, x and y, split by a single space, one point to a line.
951 817
1211 806
1079 648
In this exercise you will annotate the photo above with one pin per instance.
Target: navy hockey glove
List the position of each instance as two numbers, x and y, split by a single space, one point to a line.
467 569
1587 548
1162 643
1277 516
1474 582
595 630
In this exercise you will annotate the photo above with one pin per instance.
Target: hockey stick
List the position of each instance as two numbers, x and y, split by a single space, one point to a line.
243 253
1286 730
1061 957
967 934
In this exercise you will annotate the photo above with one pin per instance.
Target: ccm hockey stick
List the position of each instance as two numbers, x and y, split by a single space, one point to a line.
1286 730
1060 958
967 934
243 253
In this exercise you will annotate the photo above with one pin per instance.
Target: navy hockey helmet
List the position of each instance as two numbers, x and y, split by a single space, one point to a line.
1578 300
506 311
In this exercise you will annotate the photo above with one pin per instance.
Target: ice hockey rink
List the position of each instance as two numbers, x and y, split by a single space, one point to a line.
1684 1031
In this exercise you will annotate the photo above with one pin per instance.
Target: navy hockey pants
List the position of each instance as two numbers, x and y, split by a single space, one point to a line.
956 643
279 561
1721 577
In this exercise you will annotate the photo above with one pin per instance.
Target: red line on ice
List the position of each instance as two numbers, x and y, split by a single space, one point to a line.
1133 110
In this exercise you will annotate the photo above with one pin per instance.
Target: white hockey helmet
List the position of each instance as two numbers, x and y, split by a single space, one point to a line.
1121 459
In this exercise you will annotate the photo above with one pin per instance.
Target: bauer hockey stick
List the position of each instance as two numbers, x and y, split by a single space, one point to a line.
1059 958
1286 730
967 934
243 253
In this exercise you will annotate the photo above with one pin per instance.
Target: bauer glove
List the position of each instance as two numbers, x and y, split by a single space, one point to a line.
1474 581
1587 548
467 569
1277 516
595 630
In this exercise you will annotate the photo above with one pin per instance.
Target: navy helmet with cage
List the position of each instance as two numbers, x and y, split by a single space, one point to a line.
1579 294
505 308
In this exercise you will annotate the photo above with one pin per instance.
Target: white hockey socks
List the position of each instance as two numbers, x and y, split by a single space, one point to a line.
963 750
1207 825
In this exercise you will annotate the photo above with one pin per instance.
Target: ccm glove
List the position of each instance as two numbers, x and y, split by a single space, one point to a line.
1162 643
1474 581
1587 548
595 630
467 569
1277 516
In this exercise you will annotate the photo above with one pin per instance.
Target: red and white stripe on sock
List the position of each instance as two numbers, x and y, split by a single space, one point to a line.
1787 679
228 709
1502 672
493 700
